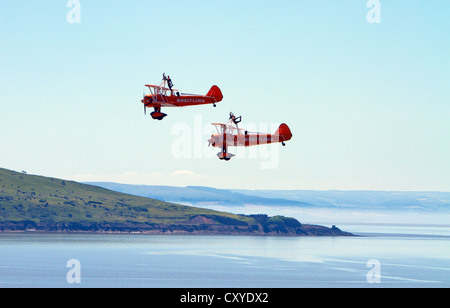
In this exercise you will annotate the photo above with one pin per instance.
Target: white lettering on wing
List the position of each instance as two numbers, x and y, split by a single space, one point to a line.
190 100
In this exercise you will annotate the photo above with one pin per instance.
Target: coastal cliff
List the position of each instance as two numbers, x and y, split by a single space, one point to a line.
208 228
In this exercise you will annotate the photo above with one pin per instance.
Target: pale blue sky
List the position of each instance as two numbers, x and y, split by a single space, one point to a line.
368 104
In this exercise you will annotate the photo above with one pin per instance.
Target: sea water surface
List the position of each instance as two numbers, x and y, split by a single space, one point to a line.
398 256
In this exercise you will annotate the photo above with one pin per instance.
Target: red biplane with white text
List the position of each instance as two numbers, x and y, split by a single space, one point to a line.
165 95
230 134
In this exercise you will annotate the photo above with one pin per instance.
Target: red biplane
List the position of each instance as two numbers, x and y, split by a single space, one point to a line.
165 96
230 134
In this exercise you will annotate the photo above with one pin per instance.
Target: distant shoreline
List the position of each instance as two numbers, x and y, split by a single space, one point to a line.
169 234
173 230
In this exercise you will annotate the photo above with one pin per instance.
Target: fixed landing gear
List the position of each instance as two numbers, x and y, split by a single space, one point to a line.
284 144
224 155
158 115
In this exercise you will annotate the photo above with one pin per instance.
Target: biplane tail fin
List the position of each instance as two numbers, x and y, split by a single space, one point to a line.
284 133
215 93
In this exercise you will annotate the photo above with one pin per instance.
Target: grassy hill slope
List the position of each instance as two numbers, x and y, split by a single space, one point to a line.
40 198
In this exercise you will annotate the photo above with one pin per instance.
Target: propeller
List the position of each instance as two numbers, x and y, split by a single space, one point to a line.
211 141
143 100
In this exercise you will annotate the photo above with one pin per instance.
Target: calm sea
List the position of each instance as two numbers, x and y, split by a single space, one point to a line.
386 256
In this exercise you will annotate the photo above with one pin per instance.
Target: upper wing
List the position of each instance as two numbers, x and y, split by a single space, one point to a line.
160 88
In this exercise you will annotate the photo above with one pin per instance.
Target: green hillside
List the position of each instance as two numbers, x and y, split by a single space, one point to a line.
43 199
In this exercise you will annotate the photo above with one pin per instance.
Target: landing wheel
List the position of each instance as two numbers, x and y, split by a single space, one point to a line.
158 115
284 144
227 159
214 105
